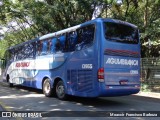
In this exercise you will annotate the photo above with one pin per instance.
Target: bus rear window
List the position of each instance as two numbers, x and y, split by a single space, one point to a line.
120 33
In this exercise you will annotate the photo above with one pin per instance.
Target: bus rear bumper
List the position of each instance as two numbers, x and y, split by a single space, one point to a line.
109 91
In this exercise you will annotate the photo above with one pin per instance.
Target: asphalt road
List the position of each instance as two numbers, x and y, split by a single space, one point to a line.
26 99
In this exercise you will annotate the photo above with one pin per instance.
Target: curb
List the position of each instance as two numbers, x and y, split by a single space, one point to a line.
149 94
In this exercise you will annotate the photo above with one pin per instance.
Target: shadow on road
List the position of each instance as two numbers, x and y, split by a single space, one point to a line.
33 99
29 89
94 102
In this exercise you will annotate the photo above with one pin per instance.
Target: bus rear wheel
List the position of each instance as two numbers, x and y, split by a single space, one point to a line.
10 84
60 91
47 89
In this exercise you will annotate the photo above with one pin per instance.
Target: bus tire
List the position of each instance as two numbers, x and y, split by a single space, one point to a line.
10 84
60 91
47 88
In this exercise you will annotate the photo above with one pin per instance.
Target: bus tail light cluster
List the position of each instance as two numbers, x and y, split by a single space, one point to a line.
101 74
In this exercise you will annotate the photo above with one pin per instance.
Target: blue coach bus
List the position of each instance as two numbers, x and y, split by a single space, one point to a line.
97 58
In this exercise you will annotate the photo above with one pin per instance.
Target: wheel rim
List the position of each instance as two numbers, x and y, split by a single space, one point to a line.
60 91
47 87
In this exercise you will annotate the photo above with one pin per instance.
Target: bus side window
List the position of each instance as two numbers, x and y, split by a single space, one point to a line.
29 51
34 49
72 40
19 54
85 37
89 35
25 51
44 47
60 43
49 44
53 45
39 47
11 59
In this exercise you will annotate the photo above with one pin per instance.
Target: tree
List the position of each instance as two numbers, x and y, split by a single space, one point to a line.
34 18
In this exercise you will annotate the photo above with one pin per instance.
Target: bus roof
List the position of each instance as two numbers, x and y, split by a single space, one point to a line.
118 22
68 29
47 36
83 24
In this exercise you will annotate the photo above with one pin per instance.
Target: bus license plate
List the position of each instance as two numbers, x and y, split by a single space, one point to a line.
123 82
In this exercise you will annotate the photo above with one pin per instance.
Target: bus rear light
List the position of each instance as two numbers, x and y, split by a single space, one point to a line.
101 74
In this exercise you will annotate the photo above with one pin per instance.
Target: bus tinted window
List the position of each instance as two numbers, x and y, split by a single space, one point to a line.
44 47
71 41
61 41
85 37
39 47
28 50
52 45
23 52
121 33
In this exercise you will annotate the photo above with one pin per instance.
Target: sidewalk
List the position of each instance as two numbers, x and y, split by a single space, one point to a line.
149 94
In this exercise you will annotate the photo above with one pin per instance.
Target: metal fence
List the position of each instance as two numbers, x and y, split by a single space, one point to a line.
150 74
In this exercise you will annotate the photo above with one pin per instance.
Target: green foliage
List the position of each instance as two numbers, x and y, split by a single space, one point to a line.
145 88
47 16
3 47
